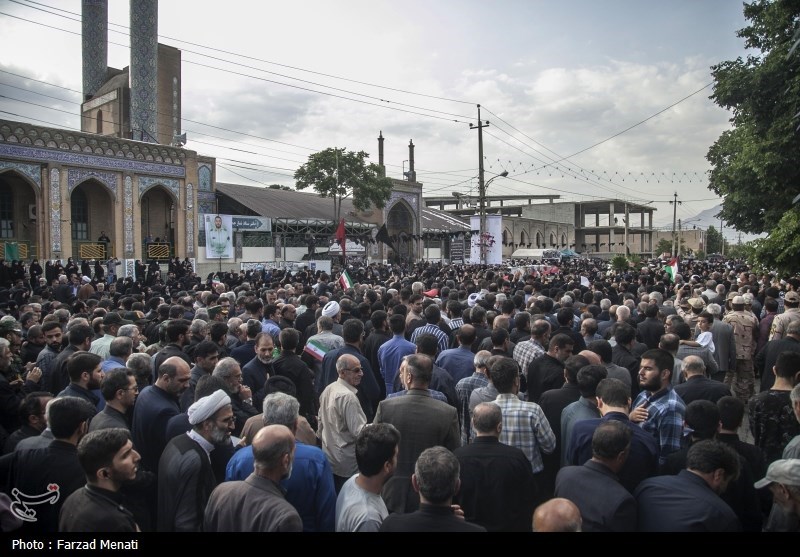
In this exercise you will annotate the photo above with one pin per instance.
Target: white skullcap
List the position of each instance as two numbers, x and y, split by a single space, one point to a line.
331 309
473 299
85 280
207 406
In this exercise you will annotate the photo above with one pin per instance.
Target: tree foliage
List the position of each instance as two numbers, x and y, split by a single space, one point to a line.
780 251
620 263
340 174
754 164
713 240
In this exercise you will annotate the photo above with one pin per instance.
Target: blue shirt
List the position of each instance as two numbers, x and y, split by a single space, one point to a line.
309 489
459 362
390 354
435 394
112 362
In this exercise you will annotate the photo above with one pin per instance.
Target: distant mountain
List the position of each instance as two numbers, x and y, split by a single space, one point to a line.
709 217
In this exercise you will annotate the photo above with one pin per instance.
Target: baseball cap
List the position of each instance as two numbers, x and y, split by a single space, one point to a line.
785 471
792 297
114 318
696 303
10 326
738 301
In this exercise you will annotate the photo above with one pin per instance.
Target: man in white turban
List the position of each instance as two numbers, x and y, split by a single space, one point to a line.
185 476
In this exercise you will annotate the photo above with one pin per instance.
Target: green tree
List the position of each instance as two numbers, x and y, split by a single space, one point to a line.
754 164
279 187
713 240
779 251
664 245
620 263
340 174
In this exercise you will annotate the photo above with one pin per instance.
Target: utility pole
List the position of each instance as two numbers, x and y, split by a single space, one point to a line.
481 186
722 238
674 216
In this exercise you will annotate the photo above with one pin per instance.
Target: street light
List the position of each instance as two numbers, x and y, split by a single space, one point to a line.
482 194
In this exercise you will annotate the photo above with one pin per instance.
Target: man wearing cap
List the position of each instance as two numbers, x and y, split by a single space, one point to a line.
791 303
745 331
111 323
696 306
218 313
783 480
186 478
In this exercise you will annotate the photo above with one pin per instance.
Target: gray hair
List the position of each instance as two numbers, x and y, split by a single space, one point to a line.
225 367
325 323
200 315
481 359
794 395
437 471
605 304
281 409
714 309
140 364
4 344
198 326
233 325
693 365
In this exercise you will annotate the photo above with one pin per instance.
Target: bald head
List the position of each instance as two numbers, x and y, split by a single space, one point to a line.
557 515
273 451
594 358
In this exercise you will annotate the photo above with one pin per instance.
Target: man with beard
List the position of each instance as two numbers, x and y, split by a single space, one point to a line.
155 406
85 375
52 336
108 459
256 372
206 356
186 478
258 504
658 408
229 371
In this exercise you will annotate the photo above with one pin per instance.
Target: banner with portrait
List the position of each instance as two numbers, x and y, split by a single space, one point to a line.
219 236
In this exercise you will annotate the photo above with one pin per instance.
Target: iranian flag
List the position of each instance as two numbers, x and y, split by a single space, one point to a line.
672 268
345 280
315 349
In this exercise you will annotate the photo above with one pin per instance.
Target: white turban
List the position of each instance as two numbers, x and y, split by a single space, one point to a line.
207 406
331 309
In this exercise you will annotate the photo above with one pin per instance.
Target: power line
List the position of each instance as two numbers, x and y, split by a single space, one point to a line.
245 56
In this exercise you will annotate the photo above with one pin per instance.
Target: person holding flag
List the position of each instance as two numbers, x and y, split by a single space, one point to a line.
672 269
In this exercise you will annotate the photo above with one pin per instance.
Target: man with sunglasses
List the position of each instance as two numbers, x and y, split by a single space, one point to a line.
341 419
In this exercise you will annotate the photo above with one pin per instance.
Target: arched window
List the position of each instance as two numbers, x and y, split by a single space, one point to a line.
99 121
538 240
552 239
505 237
80 215
6 212
563 240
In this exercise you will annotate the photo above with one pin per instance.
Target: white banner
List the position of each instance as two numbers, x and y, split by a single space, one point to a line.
491 240
219 236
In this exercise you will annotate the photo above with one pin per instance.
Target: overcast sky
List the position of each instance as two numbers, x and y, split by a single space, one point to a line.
555 78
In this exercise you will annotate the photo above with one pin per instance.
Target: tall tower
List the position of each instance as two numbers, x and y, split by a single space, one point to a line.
94 45
144 69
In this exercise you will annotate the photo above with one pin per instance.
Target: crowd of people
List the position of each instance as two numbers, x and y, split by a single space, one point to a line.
411 397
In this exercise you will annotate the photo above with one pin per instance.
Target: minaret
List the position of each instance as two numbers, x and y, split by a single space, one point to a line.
94 40
381 166
144 69
412 176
